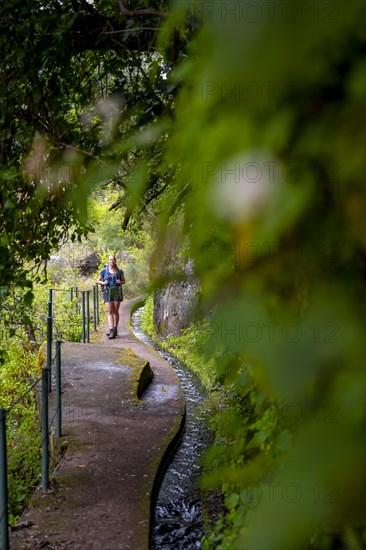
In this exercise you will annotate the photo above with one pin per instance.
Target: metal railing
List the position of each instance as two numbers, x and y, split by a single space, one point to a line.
83 302
44 379
46 388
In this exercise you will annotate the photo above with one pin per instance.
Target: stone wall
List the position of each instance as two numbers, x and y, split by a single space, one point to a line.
176 305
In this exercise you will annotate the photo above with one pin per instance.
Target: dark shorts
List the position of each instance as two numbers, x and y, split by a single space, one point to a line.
112 294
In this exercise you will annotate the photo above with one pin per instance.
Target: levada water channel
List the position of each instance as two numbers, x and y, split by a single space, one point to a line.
178 519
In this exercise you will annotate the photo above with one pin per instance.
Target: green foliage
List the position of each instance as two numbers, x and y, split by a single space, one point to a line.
136 270
24 329
188 346
271 211
147 323
67 319
23 430
108 235
70 96
24 461
255 144
132 248
268 144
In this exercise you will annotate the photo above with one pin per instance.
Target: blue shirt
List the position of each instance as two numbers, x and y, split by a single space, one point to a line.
111 277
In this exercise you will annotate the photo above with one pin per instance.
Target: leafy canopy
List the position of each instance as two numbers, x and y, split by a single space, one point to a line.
242 130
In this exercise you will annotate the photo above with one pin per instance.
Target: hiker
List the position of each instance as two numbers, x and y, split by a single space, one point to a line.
111 278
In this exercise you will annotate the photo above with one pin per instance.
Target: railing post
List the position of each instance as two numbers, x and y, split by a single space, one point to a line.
44 416
49 344
58 390
4 530
97 301
95 307
83 314
87 315
71 293
77 299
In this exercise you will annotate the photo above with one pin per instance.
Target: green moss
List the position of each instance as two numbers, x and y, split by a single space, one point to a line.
141 373
188 347
128 356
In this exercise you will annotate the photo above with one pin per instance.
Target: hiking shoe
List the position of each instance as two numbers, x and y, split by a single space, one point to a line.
112 333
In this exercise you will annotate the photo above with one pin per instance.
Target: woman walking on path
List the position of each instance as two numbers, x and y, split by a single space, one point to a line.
111 278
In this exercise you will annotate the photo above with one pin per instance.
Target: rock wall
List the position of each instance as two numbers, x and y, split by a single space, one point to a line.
176 305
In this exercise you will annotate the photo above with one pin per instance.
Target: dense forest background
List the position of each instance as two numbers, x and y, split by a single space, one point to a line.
232 134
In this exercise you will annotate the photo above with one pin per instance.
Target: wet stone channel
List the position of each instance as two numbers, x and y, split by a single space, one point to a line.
178 519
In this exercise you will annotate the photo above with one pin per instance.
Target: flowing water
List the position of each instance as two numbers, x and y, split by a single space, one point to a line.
178 520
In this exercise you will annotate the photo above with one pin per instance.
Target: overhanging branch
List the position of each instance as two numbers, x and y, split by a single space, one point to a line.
139 13
97 32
